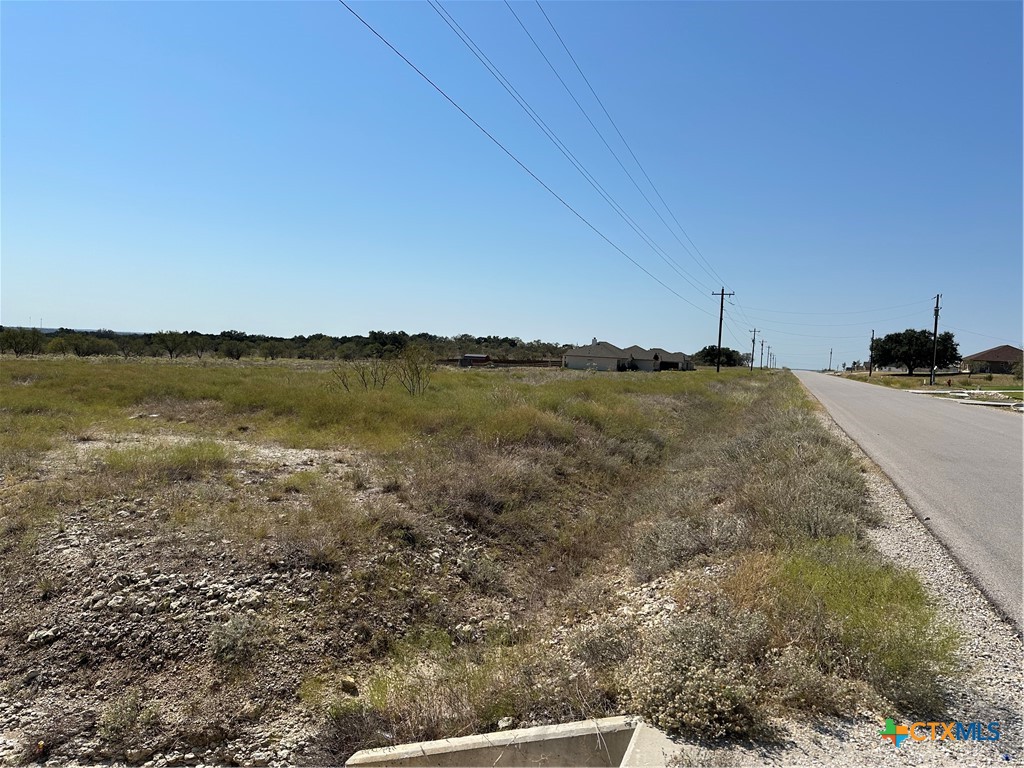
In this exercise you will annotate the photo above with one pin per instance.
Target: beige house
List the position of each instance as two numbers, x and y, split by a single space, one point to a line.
596 356
603 356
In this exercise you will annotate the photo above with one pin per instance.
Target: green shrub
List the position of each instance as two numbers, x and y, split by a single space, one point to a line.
127 719
856 616
237 641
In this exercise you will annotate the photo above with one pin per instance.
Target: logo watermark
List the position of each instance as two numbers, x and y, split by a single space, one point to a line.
933 731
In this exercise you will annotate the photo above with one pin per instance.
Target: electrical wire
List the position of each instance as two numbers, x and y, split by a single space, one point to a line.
839 325
852 312
519 162
498 75
712 272
984 335
593 125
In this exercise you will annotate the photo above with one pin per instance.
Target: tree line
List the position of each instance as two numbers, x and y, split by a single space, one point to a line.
238 344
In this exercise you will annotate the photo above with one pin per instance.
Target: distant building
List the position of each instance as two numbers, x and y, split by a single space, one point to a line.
596 356
995 360
603 356
468 361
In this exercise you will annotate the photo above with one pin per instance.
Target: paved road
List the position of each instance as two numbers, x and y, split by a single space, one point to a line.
959 465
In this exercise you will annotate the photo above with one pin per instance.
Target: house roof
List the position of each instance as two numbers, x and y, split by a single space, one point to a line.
1003 354
598 349
639 353
672 357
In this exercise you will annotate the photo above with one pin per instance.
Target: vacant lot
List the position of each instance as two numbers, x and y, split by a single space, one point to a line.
273 563
943 381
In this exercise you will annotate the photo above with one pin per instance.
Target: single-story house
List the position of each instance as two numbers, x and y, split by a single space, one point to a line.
603 356
995 360
673 361
641 359
597 356
468 361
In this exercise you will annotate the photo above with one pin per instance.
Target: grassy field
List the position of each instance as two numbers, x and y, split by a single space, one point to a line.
982 381
449 537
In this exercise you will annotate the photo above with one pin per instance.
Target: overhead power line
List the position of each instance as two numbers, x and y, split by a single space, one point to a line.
709 268
840 325
983 335
505 83
851 312
593 125
519 162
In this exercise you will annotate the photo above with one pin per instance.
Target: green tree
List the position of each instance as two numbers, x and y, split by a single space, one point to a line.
234 349
709 356
58 346
171 342
23 341
913 349
128 345
199 343
271 350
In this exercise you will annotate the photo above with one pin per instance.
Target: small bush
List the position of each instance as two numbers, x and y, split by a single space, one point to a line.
856 616
127 719
237 641
697 676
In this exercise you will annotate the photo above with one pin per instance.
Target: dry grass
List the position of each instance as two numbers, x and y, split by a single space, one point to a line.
531 486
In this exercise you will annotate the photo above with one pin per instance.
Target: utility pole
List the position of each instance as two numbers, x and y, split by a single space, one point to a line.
935 336
830 358
721 312
769 357
762 354
871 354
753 343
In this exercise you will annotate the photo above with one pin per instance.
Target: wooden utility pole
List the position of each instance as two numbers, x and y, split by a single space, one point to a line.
935 336
753 343
769 357
830 358
721 312
762 354
871 354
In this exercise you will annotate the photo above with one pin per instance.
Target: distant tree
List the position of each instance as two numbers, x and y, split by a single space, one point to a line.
913 349
233 349
23 341
199 343
171 342
128 345
82 344
58 346
271 350
709 356
103 347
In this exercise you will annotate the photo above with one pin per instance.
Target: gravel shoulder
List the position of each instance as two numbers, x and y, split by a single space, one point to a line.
991 686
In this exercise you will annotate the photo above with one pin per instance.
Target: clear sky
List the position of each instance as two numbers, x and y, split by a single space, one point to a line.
273 167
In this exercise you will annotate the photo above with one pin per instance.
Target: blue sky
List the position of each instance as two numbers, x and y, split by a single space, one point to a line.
275 168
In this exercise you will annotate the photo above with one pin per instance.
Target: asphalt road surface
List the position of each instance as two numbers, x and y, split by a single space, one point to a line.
961 466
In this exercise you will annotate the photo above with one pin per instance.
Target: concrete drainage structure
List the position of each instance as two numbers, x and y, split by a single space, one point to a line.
610 741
